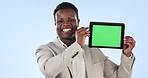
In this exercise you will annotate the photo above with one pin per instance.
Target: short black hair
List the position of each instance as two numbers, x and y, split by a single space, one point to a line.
65 5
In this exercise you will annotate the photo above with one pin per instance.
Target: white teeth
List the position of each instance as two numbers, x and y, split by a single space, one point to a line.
65 30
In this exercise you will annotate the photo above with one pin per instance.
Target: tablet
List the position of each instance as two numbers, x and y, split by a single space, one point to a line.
106 35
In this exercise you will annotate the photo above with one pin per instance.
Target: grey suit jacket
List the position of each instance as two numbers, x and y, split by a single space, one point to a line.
55 60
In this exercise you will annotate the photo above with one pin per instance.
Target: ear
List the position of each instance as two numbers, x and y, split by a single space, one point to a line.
55 24
78 22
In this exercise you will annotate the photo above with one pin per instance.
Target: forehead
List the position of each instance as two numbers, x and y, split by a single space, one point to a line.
65 12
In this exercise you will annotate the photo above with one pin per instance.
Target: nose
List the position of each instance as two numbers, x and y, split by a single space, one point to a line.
66 23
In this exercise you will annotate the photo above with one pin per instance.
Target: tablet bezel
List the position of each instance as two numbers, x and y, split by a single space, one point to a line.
106 24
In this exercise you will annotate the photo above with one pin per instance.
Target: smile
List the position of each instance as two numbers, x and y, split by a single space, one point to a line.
67 30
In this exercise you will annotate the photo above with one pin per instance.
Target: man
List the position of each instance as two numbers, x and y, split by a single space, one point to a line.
68 57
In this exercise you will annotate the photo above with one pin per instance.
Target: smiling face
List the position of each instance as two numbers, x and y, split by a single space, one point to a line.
66 23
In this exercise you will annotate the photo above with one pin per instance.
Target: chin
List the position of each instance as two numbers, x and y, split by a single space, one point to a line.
68 37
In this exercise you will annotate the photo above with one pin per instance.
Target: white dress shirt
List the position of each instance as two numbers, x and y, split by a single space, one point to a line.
77 64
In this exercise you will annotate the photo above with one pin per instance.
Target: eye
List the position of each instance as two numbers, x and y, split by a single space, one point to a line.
71 20
59 21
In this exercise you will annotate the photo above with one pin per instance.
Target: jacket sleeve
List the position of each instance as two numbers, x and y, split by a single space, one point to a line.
50 64
124 70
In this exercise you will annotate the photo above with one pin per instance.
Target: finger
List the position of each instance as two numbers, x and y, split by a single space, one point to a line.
87 35
87 32
128 41
131 40
82 29
127 37
130 45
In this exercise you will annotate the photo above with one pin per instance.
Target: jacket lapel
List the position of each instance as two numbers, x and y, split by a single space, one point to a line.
61 48
71 69
87 59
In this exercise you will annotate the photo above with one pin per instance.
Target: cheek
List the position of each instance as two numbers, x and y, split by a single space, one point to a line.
58 29
75 26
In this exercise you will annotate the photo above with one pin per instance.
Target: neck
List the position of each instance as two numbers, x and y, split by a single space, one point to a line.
68 41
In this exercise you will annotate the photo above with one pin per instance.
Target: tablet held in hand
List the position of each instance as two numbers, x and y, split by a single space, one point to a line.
106 35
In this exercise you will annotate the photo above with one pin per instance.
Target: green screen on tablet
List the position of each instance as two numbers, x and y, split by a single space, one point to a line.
106 35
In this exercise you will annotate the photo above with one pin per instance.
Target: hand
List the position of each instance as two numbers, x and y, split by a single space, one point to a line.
129 44
81 35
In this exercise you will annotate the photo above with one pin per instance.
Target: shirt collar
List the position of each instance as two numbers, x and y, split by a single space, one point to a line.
63 44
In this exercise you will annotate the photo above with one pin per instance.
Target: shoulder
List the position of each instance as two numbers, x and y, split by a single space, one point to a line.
44 45
43 48
50 44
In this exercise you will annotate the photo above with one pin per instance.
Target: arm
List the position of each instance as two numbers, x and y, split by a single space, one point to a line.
51 65
124 70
